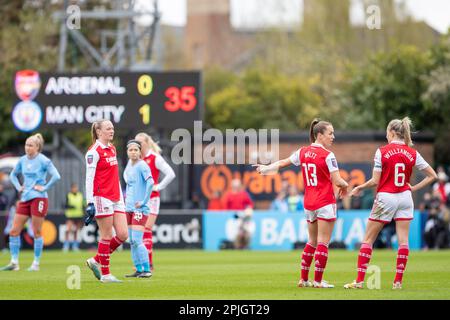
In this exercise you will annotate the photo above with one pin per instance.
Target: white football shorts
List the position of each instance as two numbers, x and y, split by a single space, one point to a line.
388 206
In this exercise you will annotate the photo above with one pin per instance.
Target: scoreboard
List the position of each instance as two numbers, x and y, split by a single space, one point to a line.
133 100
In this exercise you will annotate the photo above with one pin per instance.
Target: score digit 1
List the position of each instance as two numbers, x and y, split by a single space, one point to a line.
145 112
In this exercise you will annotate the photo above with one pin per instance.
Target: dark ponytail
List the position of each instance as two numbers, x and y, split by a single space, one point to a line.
317 126
312 137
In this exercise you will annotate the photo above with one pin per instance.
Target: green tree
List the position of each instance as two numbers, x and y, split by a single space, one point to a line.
27 41
436 98
263 100
390 85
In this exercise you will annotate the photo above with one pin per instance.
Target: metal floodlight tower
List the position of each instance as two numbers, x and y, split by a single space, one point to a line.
128 40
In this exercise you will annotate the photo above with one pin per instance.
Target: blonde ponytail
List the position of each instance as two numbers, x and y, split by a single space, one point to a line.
402 129
150 142
406 125
39 140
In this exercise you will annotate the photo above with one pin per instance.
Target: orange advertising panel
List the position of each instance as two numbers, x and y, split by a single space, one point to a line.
214 178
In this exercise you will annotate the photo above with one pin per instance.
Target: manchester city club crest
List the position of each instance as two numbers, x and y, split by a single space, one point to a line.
27 84
27 116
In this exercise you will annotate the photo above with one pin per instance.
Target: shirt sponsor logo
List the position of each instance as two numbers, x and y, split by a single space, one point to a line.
112 161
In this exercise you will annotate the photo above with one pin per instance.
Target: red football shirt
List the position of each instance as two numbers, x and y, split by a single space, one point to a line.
396 161
237 200
317 163
102 173
150 159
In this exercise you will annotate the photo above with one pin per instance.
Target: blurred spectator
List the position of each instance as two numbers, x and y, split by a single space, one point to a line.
294 199
237 198
196 202
363 201
384 239
429 201
280 203
74 218
244 229
356 201
3 198
285 186
436 233
215 203
442 186
9 223
367 199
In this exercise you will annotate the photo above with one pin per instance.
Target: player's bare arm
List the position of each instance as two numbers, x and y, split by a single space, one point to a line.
373 182
273 167
431 177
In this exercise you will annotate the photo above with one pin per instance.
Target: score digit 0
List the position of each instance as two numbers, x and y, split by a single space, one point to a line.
145 85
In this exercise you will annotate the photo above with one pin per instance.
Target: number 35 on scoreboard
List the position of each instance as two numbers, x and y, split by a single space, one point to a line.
177 98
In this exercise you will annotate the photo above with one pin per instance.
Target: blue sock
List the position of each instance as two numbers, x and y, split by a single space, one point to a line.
38 245
134 252
66 245
143 257
14 248
137 263
76 245
137 242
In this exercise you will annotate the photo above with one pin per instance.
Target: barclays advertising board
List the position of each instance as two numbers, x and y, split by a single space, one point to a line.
273 230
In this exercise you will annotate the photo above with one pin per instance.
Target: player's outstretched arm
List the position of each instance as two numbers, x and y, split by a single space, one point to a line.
429 179
273 167
373 182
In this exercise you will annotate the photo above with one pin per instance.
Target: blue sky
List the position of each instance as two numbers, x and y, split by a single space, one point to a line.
435 12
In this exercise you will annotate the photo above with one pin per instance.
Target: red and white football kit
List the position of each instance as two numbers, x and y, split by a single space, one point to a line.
395 161
317 165
102 180
157 164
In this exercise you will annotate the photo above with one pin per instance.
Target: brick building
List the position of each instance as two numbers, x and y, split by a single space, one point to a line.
210 39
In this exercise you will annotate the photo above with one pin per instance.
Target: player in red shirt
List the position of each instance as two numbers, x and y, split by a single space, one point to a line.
237 198
104 198
391 175
152 156
320 172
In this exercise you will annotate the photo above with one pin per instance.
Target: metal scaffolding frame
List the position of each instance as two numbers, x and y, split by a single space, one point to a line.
127 39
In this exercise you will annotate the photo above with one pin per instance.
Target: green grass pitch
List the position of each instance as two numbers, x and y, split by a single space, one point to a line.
248 275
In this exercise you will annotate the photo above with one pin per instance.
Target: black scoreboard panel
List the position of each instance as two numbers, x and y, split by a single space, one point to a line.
135 100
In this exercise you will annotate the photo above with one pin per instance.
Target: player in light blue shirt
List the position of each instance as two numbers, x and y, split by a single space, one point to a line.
33 167
140 182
